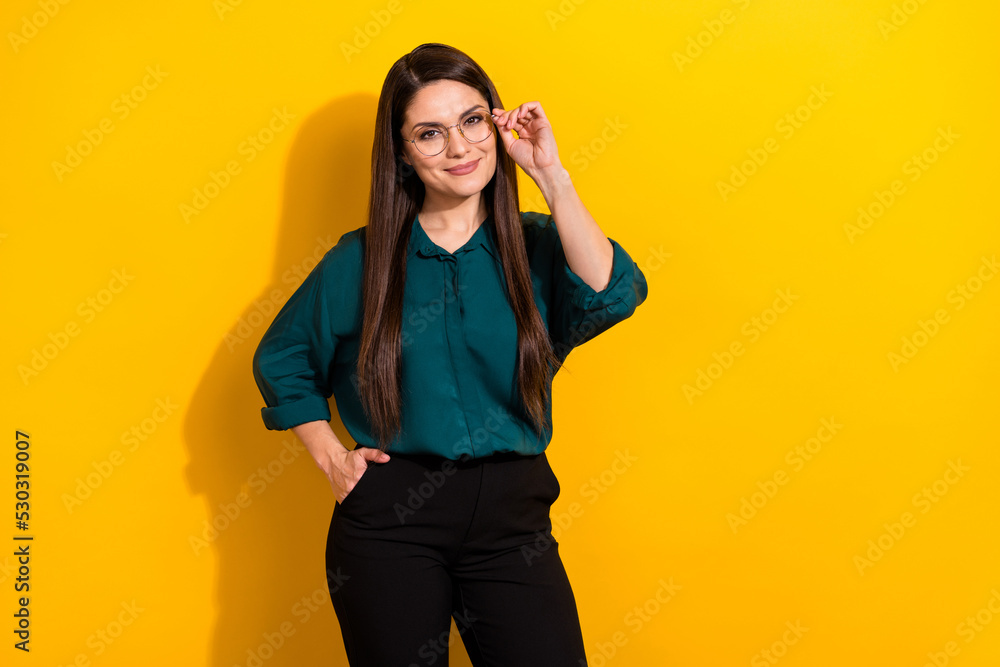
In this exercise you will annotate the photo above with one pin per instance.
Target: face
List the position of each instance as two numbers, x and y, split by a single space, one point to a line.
446 102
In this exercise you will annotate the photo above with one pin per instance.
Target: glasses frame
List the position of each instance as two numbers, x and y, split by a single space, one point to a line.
447 134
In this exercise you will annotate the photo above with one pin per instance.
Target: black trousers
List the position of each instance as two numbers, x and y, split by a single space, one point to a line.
422 539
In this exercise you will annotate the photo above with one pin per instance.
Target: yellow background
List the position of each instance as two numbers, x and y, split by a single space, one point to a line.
647 137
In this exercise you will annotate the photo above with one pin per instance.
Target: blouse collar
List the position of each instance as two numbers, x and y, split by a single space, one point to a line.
484 236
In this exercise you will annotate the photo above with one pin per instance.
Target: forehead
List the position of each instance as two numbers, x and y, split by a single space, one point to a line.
441 101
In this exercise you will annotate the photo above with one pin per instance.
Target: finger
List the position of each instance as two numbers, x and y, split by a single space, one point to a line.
509 116
532 111
503 132
507 137
499 121
515 116
372 454
529 117
500 116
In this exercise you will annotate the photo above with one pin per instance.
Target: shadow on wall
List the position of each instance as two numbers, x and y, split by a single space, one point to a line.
268 505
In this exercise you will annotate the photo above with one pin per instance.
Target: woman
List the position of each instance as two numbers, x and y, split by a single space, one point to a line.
438 327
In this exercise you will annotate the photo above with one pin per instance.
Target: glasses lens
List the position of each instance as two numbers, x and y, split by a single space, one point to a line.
431 139
477 126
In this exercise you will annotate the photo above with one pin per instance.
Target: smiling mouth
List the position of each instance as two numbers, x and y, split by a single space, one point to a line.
463 168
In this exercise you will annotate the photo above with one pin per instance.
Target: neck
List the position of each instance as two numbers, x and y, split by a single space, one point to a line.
457 215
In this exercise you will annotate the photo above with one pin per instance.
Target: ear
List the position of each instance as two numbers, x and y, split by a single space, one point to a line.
405 159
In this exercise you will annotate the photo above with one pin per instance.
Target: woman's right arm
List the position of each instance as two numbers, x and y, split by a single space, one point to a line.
294 361
342 466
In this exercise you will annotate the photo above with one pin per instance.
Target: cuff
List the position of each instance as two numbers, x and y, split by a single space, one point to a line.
308 409
620 285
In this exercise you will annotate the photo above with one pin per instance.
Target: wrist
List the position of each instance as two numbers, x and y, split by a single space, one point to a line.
553 181
319 439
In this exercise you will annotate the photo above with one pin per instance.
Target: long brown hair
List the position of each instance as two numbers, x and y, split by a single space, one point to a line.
396 197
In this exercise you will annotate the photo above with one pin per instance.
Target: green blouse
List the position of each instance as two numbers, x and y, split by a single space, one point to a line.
459 340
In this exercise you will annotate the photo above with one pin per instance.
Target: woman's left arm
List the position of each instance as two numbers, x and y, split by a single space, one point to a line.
589 253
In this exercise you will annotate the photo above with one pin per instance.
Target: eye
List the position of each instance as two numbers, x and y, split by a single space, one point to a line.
474 120
427 134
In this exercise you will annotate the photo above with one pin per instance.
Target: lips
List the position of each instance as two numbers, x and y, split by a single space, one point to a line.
464 168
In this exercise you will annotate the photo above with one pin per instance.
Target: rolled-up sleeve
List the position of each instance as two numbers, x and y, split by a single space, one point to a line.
293 361
578 312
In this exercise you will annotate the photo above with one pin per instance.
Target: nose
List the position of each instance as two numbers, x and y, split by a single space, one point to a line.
458 145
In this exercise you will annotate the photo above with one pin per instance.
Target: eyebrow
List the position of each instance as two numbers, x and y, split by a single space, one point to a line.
462 115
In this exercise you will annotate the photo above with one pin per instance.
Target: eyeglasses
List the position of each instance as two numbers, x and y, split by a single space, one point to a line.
430 140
